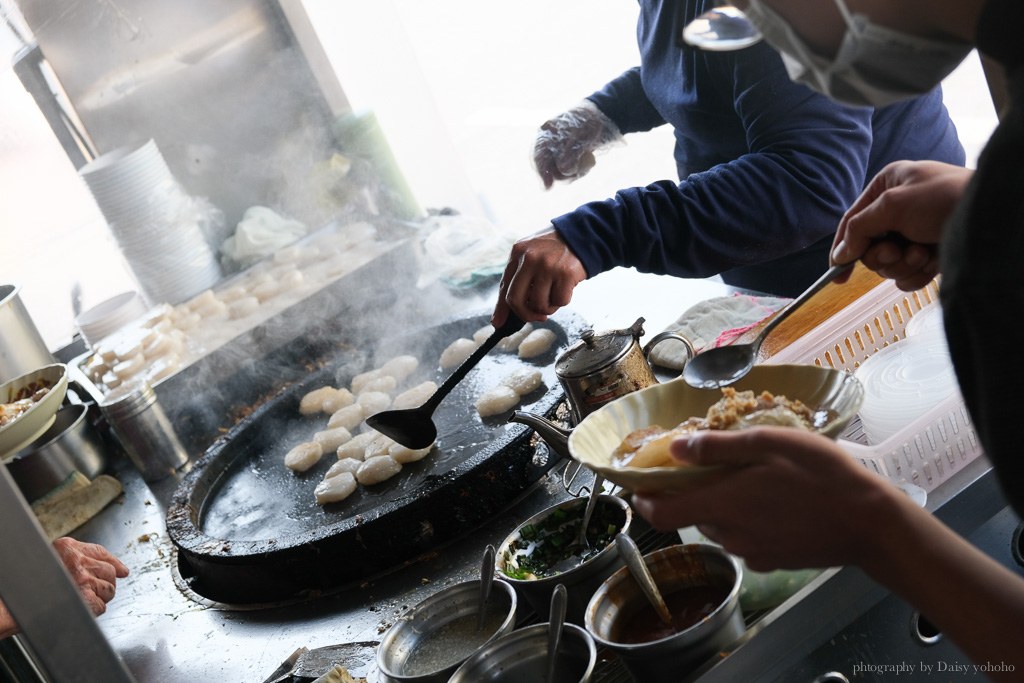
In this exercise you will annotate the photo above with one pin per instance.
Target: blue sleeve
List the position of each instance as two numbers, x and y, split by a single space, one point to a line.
805 163
623 101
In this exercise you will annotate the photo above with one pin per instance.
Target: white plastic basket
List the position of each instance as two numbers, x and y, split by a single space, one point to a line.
929 450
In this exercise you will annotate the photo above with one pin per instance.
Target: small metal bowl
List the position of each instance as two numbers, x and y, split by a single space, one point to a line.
432 639
668 659
581 581
523 656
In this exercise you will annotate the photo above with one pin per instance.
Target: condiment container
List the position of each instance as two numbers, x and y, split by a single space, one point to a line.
703 578
584 578
144 431
431 640
522 656
22 348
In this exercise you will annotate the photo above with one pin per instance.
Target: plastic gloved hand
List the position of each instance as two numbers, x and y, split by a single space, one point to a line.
565 145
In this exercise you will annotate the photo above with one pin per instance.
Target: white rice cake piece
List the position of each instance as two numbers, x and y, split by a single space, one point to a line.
373 402
523 381
303 456
481 335
364 378
377 446
404 454
510 344
350 465
313 402
377 469
384 383
243 307
335 489
496 401
348 417
414 397
355 448
457 352
400 367
331 439
536 343
341 398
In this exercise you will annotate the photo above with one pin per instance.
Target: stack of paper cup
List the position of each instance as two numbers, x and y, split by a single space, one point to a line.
158 227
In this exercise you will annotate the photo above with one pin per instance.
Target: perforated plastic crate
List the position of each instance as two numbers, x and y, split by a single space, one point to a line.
930 449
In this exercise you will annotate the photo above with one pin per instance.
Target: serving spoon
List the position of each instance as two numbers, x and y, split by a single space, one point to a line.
414 427
634 560
719 367
486 581
555 623
721 29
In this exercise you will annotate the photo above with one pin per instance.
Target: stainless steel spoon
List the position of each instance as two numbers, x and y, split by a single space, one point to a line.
721 29
595 493
555 622
414 427
634 560
486 580
724 365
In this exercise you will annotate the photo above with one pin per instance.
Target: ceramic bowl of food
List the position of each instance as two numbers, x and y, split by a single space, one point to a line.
431 640
543 552
626 441
28 405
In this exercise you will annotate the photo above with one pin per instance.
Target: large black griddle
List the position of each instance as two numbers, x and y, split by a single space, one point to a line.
249 530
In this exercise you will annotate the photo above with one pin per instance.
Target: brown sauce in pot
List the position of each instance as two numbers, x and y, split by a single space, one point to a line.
688 606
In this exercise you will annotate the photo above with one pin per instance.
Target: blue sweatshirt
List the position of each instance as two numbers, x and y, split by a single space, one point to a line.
766 166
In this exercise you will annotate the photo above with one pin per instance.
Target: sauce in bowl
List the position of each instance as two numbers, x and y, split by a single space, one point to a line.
688 606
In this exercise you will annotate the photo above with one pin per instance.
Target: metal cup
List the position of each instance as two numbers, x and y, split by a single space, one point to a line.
144 431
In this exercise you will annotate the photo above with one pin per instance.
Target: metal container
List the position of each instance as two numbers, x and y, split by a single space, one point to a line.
144 431
523 656
71 443
602 367
580 582
424 645
22 348
671 658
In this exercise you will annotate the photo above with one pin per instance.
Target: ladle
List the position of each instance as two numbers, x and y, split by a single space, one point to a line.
555 622
634 560
486 580
414 427
724 365
595 493
721 29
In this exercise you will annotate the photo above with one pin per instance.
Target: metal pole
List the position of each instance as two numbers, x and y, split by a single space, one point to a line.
45 603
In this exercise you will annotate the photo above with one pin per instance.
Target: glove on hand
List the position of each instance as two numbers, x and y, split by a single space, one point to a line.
565 145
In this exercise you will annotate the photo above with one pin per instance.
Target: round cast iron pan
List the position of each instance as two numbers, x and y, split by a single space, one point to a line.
249 530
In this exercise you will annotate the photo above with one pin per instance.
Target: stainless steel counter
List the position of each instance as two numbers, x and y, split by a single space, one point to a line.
166 636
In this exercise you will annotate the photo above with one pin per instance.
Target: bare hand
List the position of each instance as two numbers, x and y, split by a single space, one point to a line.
94 570
910 200
786 498
539 278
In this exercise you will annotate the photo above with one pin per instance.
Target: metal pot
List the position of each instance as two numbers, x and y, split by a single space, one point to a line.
523 656
597 370
71 443
22 348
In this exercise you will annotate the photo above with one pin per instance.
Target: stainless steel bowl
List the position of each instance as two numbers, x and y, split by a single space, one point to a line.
670 658
432 639
71 443
580 582
523 656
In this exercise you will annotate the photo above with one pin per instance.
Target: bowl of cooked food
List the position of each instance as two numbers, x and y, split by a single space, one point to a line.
28 405
627 441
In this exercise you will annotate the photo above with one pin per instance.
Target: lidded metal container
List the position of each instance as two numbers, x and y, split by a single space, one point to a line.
144 430
601 367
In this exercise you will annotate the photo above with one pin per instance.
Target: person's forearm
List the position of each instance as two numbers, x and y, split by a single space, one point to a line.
7 626
975 601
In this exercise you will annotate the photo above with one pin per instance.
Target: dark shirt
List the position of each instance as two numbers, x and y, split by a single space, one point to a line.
982 291
767 167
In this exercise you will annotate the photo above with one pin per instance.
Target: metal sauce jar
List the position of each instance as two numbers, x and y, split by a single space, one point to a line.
600 368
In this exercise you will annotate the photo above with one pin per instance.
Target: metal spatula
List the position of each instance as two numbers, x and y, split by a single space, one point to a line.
414 427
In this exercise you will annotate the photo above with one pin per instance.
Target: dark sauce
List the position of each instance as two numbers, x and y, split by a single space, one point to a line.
688 607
